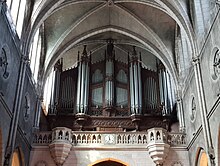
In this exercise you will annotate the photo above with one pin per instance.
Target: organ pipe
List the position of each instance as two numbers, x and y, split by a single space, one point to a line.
166 90
55 87
109 68
83 83
135 84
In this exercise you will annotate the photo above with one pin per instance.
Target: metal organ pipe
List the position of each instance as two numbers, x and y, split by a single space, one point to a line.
86 87
131 88
55 86
78 88
109 68
135 84
139 87
82 88
83 83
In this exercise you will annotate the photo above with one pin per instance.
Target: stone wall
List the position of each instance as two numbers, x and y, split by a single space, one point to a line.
9 76
84 157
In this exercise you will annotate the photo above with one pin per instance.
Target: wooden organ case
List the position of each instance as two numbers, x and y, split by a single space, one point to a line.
110 95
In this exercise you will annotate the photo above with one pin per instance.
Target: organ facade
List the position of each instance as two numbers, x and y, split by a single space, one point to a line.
111 94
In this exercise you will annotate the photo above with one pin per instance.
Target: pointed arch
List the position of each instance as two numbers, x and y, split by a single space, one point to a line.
18 157
158 52
110 160
201 157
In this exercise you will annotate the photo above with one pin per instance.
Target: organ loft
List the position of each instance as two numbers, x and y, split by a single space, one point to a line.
110 92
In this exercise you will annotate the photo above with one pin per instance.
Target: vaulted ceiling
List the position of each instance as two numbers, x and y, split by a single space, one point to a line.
150 25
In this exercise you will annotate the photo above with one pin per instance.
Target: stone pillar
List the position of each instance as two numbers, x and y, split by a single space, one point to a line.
109 76
203 109
16 111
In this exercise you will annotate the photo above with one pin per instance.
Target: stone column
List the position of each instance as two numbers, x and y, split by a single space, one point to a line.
16 111
203 109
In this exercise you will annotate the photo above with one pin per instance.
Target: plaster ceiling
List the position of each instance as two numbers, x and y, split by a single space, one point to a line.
71 24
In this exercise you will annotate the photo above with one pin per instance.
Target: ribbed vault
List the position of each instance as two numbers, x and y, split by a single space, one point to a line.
150 25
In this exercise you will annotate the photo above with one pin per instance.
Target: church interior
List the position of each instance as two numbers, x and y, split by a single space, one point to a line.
109 82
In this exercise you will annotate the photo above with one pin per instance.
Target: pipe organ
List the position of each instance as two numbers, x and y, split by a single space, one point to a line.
109 92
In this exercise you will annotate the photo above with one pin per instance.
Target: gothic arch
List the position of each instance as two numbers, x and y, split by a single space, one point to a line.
170 8
201 158
159 53
18 157
109 160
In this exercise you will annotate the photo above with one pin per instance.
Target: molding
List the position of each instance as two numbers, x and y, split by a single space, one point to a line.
209 32
214 108
4 104
21 132
195 137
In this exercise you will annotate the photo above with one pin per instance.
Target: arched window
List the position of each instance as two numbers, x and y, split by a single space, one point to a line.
109 162
17 8
35 53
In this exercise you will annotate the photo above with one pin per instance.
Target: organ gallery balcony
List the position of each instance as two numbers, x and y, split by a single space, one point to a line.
156 141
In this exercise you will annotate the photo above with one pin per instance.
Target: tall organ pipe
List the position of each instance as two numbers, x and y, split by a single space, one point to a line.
109 68
83 83
55 86
135 84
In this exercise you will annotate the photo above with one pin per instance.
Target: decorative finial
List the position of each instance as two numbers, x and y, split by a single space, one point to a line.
110 47
134 53
84 51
